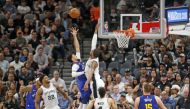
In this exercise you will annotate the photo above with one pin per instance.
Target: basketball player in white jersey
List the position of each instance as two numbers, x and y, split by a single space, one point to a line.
48 92
102 102
92 68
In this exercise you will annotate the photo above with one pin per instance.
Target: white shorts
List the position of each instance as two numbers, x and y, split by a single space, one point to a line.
55 107
99 83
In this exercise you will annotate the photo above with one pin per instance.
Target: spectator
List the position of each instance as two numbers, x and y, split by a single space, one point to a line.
42 60
129 95
153 78
123 103
23 8
11 28
10 101
157 91
184 101
34 42
9 7
104 75
25 75
119 82
64 102
20 41
167 101
32 63
116 95
182 65
178 80
17 64
109 83
4 64
7 54
163 82
24 55
175 91
57 80
47 48
127 76
170 76
4 40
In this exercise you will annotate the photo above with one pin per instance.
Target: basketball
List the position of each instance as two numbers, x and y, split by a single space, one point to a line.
74 12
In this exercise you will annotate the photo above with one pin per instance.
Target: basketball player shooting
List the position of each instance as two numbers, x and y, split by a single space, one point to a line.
92 68
48 92
78 71
148 101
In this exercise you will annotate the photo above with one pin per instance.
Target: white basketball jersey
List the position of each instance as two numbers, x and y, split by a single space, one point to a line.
50 97
101 103
88 67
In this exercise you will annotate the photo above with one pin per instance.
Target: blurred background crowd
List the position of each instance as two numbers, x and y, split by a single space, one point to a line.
35 35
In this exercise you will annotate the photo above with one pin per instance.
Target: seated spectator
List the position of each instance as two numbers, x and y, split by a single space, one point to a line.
32 63
157 91
3 90
47 48
25 75
17 64
153 78
20 40
168 90
4 40
116 95
119 82
26 34
175 93
64 101
10 29
113 73
24 55
163 82
42 60
127 76
9 7
104 74
13 87
170 76
34 42
123 103
167 101
57 80
184 101
10 77
23 8
7 54
178 80
4 64
10 101
129 95
109 84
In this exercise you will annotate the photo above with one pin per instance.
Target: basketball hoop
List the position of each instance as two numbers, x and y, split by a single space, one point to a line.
123 36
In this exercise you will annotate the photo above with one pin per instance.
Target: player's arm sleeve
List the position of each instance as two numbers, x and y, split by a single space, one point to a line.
78 55
74 73
94 41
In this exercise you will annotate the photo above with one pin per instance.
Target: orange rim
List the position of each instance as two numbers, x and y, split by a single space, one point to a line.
129 32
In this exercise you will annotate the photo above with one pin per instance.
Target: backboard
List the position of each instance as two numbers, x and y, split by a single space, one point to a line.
147 21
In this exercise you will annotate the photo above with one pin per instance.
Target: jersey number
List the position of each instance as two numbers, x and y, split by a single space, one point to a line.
100 107
51 97
148 106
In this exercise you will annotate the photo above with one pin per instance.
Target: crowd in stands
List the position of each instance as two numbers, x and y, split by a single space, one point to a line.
35 33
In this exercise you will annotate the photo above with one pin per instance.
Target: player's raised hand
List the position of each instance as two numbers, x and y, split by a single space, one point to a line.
74 31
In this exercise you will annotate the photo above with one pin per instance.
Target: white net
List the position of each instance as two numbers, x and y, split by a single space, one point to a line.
122 39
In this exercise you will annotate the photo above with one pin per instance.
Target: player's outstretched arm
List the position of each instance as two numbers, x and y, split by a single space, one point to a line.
90 74
37 98
160 104
137 100
74 32
95 38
